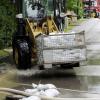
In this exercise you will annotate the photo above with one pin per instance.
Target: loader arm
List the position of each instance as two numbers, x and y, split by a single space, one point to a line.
45 26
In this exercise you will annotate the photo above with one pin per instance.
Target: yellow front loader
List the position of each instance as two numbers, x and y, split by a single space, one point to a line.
35 18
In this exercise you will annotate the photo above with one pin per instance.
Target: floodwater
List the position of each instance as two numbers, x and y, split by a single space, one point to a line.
75 84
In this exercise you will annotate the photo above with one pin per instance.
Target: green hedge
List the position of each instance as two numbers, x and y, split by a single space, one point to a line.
7 22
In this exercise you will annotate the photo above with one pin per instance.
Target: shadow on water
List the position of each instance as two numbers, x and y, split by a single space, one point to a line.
61 78
55 74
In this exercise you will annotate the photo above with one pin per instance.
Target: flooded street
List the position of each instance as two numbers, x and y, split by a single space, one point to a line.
79 81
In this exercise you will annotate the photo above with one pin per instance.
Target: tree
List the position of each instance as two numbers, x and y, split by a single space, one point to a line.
76 6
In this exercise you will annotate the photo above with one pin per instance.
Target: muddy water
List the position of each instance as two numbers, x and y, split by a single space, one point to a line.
61 78
68 79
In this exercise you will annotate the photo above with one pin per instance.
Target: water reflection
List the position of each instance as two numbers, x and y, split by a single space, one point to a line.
90 83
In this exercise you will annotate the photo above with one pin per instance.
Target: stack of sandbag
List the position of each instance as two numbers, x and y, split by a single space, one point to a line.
59 48
56 41
32 98
63 55
47 90
59 41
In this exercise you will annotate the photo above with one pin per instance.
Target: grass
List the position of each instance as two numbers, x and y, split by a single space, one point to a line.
72 25
7 80
3 53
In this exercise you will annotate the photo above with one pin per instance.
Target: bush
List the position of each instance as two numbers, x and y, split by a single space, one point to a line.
7 22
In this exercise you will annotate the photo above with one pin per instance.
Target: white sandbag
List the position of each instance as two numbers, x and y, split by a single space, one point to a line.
41 90
52 92
63 40
34 85
60 48
64 55
37 93
59 41
41 87
50 86
42 93
31 91
45 87
32 98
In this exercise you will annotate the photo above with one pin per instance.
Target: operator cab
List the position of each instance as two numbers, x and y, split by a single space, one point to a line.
40 9
35 10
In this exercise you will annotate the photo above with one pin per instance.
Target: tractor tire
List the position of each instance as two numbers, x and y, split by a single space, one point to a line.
22 55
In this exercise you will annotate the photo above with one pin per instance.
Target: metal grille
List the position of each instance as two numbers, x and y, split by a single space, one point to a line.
62 55
61 48
63 41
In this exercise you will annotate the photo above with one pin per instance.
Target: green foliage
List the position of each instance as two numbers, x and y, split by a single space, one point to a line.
76 6
3 53
7 25
71 4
